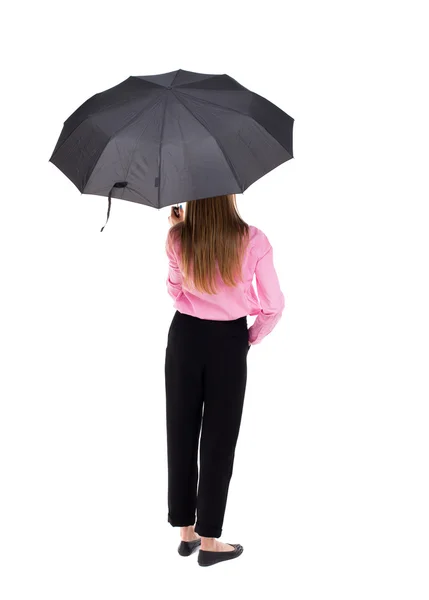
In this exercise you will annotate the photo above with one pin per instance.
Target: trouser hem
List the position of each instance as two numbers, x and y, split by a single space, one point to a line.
181 522
208 531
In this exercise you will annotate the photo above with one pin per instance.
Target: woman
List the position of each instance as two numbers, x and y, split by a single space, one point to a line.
213 255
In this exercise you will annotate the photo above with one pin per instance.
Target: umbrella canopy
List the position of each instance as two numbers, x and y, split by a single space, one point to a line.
163 139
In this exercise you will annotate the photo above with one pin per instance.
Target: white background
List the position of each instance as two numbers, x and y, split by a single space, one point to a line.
329 495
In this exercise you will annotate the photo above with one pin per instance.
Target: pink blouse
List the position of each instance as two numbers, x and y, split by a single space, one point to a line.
234 302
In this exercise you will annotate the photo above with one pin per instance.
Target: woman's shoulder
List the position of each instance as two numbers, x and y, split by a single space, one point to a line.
255 231
258 239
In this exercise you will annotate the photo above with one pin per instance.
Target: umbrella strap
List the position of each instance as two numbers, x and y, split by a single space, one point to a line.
118 184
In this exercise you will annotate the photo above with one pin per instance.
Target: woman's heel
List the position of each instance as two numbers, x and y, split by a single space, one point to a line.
187 548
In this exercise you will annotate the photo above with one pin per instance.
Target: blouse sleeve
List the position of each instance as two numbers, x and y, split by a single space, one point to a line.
271 297
174 278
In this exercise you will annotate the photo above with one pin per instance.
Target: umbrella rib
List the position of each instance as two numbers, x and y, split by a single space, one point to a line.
160 150
200 80
228 108
174 78
231 166
204 101
134 151
135 118
158 86
87 117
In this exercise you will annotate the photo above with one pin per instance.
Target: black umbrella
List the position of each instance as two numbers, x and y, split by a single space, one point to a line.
164 139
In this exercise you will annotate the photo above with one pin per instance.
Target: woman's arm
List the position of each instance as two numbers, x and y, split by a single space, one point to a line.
270 295
174 278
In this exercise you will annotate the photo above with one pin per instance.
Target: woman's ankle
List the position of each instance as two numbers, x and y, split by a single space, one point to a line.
188 534
208 543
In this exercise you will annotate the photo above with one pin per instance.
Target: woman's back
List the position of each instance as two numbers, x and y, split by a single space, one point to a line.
232 302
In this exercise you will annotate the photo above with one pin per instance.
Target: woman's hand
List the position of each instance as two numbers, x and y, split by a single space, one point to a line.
176 217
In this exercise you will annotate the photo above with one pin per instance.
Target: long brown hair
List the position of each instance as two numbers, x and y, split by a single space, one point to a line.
211 234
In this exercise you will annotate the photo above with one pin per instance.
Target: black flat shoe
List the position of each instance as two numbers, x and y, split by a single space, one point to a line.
207 557
187 548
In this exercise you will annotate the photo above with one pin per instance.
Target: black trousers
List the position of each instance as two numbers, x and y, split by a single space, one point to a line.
205 382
